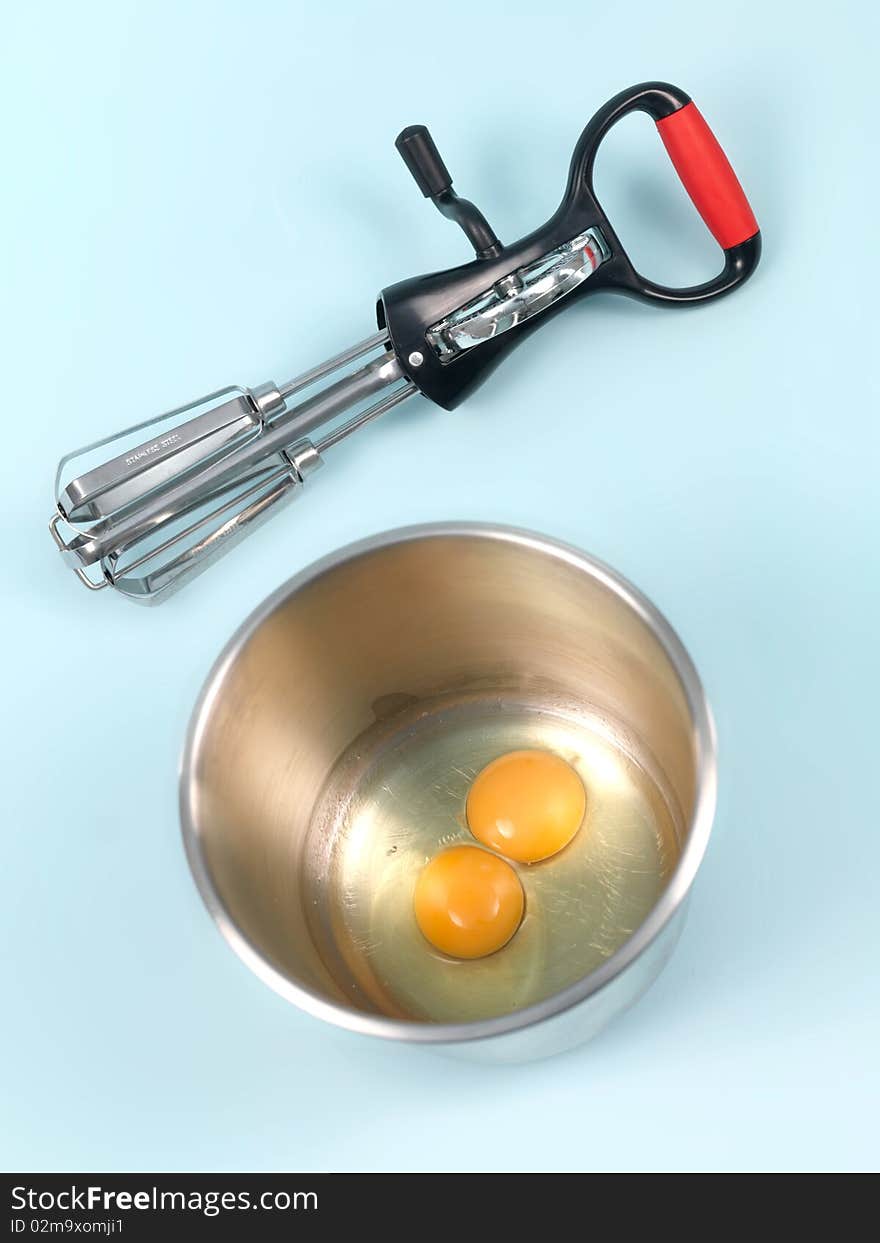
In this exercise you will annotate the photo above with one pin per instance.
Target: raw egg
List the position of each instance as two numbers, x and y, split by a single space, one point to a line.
526 805
468 903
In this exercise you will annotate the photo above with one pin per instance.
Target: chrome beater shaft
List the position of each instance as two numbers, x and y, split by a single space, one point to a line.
160 509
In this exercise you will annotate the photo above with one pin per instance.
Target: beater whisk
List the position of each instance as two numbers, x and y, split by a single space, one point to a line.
176 491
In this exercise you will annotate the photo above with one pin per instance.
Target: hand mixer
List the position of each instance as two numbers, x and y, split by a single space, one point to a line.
176 491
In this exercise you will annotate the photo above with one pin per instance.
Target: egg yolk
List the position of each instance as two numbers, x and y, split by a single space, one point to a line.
526 805
468 903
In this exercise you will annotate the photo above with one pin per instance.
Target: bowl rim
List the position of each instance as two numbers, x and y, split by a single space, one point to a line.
669 902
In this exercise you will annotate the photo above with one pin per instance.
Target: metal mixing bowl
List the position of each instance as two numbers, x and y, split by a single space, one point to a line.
420 614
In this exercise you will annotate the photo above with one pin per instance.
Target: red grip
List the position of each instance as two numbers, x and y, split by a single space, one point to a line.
706 174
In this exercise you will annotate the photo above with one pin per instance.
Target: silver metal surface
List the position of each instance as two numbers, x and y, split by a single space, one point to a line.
380 637
196 544
267 399
338 397
375 342
93 584
381 407
104 537
163 507
519 296
143 468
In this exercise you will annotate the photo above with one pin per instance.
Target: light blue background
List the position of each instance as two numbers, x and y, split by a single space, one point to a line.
207 193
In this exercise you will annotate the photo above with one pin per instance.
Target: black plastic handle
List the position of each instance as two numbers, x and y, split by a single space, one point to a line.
409 308
423 160
431 175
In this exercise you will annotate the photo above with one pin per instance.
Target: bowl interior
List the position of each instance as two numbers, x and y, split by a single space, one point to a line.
366 654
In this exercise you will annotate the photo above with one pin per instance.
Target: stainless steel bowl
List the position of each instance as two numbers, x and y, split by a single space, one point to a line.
430 615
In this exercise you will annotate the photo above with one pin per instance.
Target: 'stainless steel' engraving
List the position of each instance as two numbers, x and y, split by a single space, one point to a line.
156 447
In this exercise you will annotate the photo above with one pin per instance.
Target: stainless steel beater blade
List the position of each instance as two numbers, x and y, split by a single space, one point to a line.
127 477
151 516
